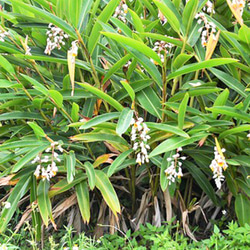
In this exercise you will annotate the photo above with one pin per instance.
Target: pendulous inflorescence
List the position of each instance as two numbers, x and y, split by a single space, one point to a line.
174 170
47 168
139 137
218 165
55 38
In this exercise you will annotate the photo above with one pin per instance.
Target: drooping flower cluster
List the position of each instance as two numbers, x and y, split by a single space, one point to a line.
161 48
121 11
46 168
55 38
175 170
208 7
3 34
239 5
140 137
218 165
209 28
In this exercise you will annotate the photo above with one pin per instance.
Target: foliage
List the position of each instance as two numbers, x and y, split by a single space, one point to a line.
66 139
147 237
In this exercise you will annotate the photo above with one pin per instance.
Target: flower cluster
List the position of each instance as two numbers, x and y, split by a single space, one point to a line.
121 12
175 170
209 28
217 165
209 7
162 18
161 48
55 38
140 137
3 34
239 5
50 170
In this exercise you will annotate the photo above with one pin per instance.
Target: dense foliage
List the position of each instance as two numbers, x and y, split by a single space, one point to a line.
124 112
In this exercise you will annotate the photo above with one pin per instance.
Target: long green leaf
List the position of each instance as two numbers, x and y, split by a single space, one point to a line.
200 65
174 143
82 194
28 157
108 192
15 196
124 121
103 96
137 45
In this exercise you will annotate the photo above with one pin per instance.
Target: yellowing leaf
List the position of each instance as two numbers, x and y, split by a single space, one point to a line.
212 42
72 53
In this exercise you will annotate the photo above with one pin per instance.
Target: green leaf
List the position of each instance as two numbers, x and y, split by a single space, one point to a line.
116 67
6 65
85 8
231 82
107 191
129 89
43 201
136 21
174 143
70 162
36 84
18 115
169 14
50 18
242 208
103 17
221 100
168 128
188 14
37 129
200 65
63 185
98 120
118 161
82 194
124 121
202 180
28 157
232 112
74 112
103 96
56 97
234 131
182 111
150 101
20 144
180 60
167 39
137 45
16 195
91 174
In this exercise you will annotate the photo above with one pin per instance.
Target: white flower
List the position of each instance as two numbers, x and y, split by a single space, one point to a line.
55 38
121 12
37 172
3 247
218 165
7 205
174 170
75 247
140 137
36 159
3 34
224 212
